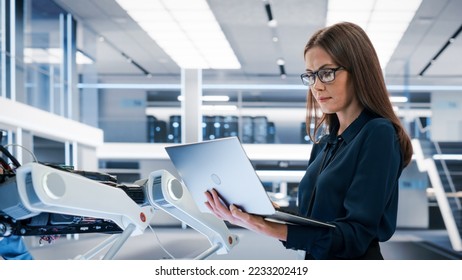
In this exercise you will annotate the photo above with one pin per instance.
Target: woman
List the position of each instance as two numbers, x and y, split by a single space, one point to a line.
352 175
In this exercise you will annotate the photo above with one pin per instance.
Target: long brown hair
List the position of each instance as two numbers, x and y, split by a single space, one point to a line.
350 47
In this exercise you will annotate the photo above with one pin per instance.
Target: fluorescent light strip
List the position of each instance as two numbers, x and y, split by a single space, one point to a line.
399 99
186 30
394 88
81 58
216 98
385 21
52 56
219 107
447 157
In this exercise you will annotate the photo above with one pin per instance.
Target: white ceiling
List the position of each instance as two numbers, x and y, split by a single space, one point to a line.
244 23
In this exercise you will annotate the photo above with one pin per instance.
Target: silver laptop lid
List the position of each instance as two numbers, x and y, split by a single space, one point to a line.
221 164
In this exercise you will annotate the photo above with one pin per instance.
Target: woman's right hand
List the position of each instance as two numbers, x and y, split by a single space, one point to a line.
241 218
231 214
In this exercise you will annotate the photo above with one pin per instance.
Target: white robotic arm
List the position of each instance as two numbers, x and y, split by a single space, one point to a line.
43 189
166 192
46 189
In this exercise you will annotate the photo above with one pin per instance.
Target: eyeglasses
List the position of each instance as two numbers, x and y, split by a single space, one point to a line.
325 75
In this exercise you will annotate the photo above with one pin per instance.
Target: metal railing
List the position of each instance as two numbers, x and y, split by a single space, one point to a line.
427 164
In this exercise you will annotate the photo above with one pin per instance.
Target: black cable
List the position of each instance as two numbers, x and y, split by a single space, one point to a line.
4 164
10 156
6 170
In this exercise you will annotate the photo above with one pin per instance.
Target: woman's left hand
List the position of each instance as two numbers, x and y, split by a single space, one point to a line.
241 218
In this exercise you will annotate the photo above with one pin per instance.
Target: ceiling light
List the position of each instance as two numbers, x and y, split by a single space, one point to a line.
186 30
82 58
52 56
42 55
280 62
271 21
447 157
212 98
218 98
399 99
282 71
219 107
385 21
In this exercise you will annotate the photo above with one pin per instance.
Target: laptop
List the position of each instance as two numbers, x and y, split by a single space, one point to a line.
223 164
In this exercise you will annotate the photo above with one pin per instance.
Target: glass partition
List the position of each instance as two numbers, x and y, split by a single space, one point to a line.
42 55
256 119
86 58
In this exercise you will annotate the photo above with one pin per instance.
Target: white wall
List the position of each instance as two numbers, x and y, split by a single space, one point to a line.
27 121
446 116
